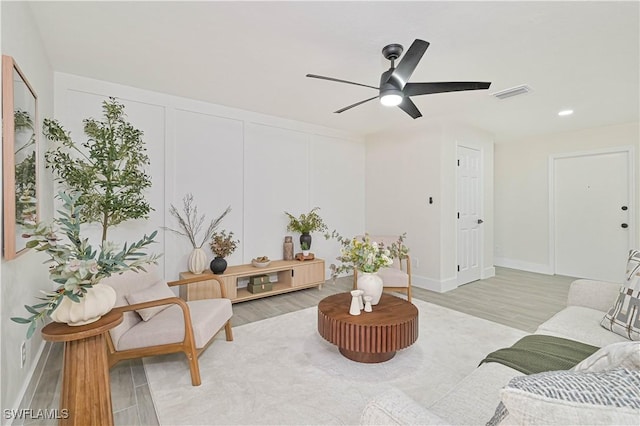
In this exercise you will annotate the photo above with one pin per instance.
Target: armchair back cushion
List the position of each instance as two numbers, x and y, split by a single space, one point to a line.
159 290
127 283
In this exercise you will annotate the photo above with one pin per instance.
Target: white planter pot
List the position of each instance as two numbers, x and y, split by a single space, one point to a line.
97 301
371 284
197 261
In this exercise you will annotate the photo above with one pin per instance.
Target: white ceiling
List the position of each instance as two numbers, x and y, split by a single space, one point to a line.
254 56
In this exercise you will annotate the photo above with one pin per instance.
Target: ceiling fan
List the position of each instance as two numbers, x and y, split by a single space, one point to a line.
395 89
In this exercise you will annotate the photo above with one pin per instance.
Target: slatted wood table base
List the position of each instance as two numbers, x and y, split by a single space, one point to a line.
370 337
86 391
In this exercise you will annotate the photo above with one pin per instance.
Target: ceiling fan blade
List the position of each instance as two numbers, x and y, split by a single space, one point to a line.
416 89
354 105
410 108
340 81
400 76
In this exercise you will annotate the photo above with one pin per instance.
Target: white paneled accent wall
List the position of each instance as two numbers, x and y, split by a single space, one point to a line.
257 164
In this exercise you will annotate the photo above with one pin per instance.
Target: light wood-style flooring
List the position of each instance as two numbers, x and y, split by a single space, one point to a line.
515 298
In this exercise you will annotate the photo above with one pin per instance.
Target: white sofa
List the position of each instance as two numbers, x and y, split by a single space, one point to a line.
474 400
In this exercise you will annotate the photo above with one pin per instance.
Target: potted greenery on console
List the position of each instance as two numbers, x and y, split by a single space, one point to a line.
78 268
305 224
106 181
191 225
222 245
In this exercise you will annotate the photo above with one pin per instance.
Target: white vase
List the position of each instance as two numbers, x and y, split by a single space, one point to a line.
354 309
371 284
197 261
97 301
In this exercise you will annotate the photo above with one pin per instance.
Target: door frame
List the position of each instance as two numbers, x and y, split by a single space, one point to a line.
481 193
630 151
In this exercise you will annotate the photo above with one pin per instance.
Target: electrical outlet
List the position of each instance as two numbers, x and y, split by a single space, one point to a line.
23 354
416 262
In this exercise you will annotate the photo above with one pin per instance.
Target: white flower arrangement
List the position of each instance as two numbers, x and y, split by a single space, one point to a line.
364 255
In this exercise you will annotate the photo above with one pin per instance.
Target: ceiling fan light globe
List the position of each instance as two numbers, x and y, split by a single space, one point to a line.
391 99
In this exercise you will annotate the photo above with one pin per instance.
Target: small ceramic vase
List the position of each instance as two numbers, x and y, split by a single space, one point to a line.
355 304
360 302
367 304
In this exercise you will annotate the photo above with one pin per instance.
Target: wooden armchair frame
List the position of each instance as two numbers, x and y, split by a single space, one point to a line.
407 269
188 345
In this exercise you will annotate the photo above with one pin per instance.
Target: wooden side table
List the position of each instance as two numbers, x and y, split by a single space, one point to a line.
371 336
86 390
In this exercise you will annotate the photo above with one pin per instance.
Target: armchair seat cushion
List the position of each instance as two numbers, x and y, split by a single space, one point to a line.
393 277
207 317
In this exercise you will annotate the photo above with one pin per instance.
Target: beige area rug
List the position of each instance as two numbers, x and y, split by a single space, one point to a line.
280 371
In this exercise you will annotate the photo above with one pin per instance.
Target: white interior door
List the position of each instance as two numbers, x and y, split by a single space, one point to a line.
592 214
469 214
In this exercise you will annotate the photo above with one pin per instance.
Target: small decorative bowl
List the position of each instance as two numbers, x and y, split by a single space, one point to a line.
260 264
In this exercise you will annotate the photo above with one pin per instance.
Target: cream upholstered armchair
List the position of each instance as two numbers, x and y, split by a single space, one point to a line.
157 322
397 277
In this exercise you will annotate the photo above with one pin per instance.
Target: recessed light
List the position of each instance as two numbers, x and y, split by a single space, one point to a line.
565 112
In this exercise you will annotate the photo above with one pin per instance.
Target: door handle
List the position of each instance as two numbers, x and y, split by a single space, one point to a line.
480 221
624 225
624 208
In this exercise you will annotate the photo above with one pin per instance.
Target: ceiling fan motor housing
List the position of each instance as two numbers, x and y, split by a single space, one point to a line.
387 86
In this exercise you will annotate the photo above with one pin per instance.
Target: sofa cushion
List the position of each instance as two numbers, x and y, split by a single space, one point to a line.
581 324
159 290
208 316
391 406
616 355
474 399
572 398
624 316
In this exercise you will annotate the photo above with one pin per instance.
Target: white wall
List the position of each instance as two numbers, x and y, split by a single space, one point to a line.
260 165
522 190
405 168
22 278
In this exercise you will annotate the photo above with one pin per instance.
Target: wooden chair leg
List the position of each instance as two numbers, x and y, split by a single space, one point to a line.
194 367
228 332
409 294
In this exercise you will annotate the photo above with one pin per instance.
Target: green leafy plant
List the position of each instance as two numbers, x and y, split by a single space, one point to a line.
25 170
191 224
74 264
304 246
366 255
107 170
223 244
306 223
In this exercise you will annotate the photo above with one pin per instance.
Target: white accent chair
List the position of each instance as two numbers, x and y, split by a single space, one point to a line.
395 278
157 322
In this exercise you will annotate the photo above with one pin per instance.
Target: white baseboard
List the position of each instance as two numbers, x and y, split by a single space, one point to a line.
439 286
29 378
488 272
539 268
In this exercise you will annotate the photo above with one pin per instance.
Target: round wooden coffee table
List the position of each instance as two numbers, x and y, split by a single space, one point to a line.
371 336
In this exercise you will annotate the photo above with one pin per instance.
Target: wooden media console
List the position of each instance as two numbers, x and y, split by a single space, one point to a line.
291 275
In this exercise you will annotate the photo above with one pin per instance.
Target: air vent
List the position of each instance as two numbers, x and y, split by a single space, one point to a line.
514 91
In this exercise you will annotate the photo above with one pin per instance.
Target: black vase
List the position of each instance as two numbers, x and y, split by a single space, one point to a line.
218 265
305 239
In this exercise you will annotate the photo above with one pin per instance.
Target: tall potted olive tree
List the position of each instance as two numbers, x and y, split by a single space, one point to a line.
107 170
